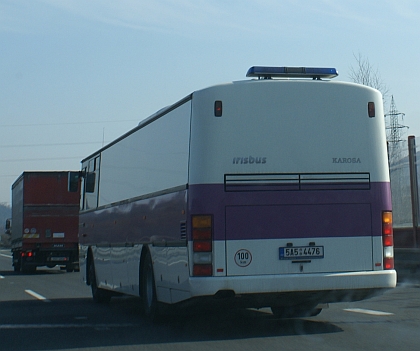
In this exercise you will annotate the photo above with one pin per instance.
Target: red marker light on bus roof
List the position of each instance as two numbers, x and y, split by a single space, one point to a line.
371 109
218 108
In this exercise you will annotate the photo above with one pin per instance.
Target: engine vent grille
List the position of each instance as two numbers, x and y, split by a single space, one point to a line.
296 181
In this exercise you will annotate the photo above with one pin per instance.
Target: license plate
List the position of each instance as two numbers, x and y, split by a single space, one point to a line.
58 259
301 252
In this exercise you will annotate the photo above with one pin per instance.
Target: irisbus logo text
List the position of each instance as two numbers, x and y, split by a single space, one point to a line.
249 160
346 160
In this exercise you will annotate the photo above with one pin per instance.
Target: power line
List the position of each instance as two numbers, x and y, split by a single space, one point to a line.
54 144
8 175
43 159
66 123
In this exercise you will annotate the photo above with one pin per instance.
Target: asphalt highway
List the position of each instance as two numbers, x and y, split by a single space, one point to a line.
52 310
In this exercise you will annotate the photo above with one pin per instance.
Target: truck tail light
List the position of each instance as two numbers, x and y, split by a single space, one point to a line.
388 240
202 244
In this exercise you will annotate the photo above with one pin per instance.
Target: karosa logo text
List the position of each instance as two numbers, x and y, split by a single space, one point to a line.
346 160
249 160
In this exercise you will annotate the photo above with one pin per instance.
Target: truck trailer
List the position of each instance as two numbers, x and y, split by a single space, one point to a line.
45 222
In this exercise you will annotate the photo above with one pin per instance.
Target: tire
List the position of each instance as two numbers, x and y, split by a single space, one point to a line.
25 268
148 290
99 295
315 312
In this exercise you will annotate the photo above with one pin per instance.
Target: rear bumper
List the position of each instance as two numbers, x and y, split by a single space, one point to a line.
327 287
51 257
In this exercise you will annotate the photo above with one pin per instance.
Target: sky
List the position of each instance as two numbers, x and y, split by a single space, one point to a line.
77 74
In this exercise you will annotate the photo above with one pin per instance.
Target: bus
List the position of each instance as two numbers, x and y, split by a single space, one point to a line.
271 192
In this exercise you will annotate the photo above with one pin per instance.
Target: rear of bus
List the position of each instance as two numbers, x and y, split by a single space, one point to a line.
289 197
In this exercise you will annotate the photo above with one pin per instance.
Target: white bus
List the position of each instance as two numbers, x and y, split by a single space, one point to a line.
269 192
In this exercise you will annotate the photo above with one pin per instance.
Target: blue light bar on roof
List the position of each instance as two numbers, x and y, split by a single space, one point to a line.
291 72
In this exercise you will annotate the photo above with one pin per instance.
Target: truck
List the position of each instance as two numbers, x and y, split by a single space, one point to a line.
45 222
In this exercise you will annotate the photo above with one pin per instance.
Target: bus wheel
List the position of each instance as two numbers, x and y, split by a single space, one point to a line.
99 295
148 289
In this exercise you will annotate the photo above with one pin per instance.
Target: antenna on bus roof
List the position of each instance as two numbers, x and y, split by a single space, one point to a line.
291 72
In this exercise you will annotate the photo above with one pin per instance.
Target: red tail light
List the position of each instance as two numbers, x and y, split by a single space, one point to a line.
388 240
202 233
202 270
202 244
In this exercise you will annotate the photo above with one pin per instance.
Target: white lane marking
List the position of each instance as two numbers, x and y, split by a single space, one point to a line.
8 256
370 312
37 296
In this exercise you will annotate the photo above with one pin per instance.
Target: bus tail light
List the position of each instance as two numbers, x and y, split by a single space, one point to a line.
388 240
202 244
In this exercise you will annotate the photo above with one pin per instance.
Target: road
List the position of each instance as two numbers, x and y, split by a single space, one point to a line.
53 310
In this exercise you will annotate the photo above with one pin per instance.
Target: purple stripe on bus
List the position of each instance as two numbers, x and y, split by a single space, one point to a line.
155 220
297 221
239 215
284 214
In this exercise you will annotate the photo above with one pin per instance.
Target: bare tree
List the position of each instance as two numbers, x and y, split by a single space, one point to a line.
364 73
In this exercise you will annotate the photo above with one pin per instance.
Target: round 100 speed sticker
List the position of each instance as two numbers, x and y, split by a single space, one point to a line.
243 258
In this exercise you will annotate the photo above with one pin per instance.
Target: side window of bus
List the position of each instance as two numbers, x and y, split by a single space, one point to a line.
92 183
82 190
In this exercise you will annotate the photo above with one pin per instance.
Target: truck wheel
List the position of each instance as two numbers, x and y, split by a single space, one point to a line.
99 295
148 289
24 268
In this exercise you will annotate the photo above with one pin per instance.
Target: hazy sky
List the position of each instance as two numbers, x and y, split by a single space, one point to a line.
75 74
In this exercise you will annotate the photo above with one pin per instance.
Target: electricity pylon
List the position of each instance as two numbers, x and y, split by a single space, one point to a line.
394 131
